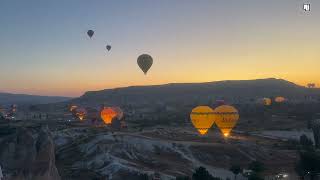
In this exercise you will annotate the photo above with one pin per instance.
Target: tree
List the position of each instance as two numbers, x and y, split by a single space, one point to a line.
255 176
183 178
257 166
201 173
309 163
235 169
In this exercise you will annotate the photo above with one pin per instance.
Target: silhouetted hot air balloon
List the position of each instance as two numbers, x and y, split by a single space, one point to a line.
81 113
107 114
202 118
145 62
108 47
226 118
119 112
90 33
280 99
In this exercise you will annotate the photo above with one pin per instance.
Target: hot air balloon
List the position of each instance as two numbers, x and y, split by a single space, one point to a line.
81 113
119 112
72 108
108 47
145 62
311 85
202 118
90 33
280 99
226 118
13 108
107 114
266 101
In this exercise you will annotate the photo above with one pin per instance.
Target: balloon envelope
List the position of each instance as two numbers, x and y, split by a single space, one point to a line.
108 47
279 99
107 114
145 62
226 118
81 113
202 118
90 33
72 108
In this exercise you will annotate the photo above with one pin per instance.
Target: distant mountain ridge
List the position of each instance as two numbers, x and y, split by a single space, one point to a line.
24 99
201 92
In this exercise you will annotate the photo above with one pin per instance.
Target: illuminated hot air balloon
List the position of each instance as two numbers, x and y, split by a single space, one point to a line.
81 113
119 112
107 114
226 118
266 101
202 118
280 99
72 108
13 108
145 62
108 47
90 33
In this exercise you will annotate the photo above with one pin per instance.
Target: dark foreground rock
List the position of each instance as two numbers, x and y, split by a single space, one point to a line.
28 156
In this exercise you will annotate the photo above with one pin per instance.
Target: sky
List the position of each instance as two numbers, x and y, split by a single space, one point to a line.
44 48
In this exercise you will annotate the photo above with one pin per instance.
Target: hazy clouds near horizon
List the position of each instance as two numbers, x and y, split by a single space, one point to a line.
44 48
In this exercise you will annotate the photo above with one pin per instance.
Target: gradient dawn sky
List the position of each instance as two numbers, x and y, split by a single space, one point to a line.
44 48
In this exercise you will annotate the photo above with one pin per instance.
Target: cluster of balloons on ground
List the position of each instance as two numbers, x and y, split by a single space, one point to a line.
107 114
224 116
144 61
268 101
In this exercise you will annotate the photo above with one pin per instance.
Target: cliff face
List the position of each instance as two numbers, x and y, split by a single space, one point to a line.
28 156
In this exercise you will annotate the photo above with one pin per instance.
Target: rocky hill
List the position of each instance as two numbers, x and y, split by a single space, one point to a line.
233 91
24 99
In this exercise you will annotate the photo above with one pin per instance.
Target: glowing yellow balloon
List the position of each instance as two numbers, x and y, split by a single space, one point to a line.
279 99
202 118
226 118
107 114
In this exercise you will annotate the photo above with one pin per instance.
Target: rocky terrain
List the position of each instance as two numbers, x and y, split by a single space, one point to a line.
84 152
27 154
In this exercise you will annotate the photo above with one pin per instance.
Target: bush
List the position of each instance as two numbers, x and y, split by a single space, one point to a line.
257 166
255 176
